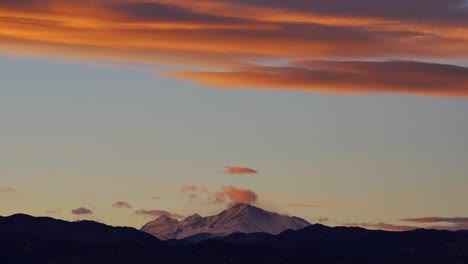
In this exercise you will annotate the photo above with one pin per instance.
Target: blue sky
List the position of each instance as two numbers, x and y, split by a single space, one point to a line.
75 133
349 110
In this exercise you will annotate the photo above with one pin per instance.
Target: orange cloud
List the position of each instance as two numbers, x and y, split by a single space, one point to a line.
122 204
240 170
227 36
228 195
345 77
82 211
240 195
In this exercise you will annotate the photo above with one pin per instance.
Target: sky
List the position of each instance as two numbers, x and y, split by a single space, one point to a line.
340 112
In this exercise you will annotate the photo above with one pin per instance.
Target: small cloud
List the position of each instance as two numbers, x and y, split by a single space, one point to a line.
156 213
219 197
82 211
193 188
54 211
240 170
197 193
122 204
323 219
154 198
194 196
240 195
7 190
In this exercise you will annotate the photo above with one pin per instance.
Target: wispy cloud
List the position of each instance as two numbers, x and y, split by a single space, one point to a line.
156 213
437 220
345 77
82 211
225 40
54 211
302 205
240 170
122 204
447 223
194 188
441 223
87 194
382 226
297 200
452 227
323 219
228 195
7 190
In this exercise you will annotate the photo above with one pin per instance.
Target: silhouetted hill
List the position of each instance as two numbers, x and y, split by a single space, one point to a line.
22 226
364 246
26 239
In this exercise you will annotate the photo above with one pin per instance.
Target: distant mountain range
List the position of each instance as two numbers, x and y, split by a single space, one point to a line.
25 227
40 240
241 218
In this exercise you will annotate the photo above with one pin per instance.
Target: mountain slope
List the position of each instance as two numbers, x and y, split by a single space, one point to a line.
239 218
359 245
26 239
25 227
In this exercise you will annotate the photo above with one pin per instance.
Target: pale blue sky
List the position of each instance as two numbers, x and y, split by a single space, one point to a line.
124 133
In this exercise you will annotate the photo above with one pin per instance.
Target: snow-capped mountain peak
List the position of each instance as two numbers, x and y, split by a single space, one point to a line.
193 218
242 218
164 226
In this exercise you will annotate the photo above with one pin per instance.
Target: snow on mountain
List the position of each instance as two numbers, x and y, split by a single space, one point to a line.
242 218
164 227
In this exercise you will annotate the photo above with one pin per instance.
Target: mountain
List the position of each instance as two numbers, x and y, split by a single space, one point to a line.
358 245
242 218
42 240
25 227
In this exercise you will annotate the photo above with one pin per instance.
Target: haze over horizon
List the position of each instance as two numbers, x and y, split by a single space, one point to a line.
339 112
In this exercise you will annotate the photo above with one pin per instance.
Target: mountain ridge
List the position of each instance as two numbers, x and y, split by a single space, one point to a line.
27 239
22 226
241 217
